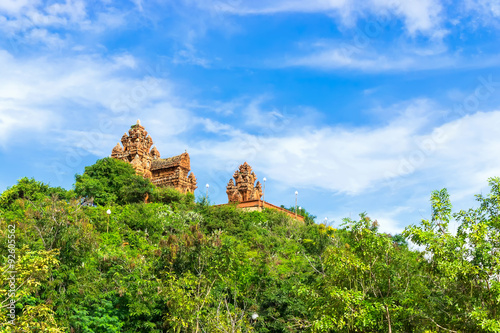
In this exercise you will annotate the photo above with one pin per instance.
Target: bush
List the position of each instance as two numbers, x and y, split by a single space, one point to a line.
33 190
169 195
112 181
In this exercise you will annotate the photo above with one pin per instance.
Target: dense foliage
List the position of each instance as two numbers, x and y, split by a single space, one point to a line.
174 265
112 181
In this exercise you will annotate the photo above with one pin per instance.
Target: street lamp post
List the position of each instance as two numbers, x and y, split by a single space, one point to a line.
296 193
109 213
264 191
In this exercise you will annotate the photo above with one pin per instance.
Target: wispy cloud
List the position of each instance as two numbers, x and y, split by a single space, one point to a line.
45 93
377 58
419 16
489 8
356 160
13 7
339 59
189 56
17 122
49 23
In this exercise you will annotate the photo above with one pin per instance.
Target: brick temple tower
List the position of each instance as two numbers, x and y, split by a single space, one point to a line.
169 172
246 193
243 187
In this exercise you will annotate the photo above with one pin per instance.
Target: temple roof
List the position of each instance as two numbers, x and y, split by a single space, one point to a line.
117 148
165 163
155 153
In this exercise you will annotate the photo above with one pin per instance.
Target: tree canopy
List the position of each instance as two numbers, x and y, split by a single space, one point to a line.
112 181
174 265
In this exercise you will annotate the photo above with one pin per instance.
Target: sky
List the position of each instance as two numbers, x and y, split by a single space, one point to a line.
360 106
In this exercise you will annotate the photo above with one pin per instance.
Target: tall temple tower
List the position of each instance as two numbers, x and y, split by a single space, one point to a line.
170 172
243 187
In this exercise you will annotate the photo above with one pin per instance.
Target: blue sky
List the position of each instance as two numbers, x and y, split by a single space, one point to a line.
358 105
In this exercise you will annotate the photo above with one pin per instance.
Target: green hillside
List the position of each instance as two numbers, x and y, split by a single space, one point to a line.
176 265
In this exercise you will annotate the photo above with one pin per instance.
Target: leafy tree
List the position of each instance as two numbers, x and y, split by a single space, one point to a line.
366 282
173 265
112 181
32 271
33 190
464 265
308 217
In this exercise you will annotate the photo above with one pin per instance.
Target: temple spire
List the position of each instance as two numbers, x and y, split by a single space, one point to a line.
138 150
243 187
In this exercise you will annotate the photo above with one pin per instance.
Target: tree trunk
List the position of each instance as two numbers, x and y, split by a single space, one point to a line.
388 318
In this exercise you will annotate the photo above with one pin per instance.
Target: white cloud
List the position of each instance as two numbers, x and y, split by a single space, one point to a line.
466 157
267 7
410 150
485 7
422 16
74 10
52 40
338 59
86 142
138 3
373 56
212 126
188 56
389 221
166 119
337 159
218 107
17 121
255 116
33 22
419 15
125 60
377 167
36 15
40 80
42 94
15 6
480 13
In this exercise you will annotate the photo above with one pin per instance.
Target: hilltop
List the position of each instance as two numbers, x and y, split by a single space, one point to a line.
117 264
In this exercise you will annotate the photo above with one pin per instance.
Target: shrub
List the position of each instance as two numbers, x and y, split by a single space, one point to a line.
112 181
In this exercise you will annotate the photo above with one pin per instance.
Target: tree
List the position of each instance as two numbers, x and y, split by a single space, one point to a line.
112 181
32 271
308 217
464 266
32 190
366 281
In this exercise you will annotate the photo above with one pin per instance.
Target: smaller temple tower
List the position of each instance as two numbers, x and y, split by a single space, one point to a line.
246 193
243 187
